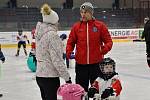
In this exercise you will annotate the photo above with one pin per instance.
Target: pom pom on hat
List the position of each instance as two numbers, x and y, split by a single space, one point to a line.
46 9
49 16
88 7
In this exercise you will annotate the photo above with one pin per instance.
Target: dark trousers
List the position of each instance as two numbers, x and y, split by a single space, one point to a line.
86 73
21 43
48 87
148 47
148 52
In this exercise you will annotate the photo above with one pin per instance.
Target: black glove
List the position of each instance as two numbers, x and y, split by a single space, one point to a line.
69 81
91 92
107 92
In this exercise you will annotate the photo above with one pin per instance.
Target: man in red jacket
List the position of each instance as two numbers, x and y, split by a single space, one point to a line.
92 41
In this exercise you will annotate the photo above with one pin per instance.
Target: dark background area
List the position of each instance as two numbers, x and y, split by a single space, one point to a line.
24 14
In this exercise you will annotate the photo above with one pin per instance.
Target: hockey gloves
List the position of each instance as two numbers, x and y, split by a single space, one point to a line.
107 92
69 81
148 59
92 92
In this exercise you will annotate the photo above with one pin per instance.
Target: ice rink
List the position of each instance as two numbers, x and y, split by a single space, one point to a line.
17 81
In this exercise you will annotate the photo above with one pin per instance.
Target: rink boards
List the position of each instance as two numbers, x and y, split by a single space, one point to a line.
8 39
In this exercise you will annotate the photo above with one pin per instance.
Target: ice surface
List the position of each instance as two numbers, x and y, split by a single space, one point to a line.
17 81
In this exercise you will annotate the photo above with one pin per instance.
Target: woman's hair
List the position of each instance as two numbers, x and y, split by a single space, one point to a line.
45 9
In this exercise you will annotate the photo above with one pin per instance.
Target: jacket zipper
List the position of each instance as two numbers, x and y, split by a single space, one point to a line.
87 32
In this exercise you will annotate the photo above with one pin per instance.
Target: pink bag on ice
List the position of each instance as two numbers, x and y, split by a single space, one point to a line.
71 92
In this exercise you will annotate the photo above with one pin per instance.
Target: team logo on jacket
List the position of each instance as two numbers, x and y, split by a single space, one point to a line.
95 29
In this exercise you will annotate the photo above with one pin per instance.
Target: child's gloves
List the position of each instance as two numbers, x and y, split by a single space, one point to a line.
69 81
107 92
92 91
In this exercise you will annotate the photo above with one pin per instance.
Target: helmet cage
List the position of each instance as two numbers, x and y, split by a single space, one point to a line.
104 63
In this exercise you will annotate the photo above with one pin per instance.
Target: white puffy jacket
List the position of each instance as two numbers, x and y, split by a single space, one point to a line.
49 52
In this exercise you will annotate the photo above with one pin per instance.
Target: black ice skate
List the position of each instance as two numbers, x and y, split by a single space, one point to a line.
1 95
17 55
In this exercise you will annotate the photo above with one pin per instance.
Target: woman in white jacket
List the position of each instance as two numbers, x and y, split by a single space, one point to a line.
50 64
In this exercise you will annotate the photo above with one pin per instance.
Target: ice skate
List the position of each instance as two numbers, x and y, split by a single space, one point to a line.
1 95
17 55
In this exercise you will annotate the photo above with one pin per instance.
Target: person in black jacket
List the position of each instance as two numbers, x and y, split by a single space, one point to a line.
146 35
2 58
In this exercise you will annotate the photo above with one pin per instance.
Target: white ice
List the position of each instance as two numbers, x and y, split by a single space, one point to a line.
17 81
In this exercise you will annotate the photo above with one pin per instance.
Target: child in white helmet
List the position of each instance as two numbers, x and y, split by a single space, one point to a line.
21 38
107 86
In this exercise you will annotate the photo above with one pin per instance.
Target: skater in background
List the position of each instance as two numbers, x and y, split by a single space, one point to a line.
49 52
115 4
2 58
33 49
107 86
146 35
33 33
33 45
92 41
64 40
31 61
21 38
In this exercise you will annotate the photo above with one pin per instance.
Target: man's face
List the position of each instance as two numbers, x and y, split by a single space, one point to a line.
146 19
85 15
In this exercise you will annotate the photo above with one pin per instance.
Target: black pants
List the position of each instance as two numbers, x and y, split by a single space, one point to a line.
148 48
48 87
21 43
148 53
86 73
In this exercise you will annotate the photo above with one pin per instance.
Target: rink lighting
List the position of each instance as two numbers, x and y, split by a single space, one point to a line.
103 11
113 15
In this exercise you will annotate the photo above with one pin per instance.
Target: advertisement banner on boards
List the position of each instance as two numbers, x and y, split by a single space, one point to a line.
11 37
130 34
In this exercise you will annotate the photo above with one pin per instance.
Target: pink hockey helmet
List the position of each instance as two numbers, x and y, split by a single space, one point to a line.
71 92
